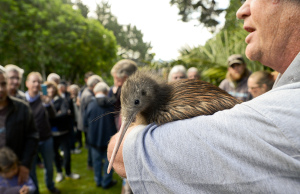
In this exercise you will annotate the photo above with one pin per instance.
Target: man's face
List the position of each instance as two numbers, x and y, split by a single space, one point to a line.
118 82
13 80
33 84
177 76
236 71
268 36
193 75
3 88
255 89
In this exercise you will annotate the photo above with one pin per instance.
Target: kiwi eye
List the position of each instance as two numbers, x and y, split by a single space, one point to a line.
136 102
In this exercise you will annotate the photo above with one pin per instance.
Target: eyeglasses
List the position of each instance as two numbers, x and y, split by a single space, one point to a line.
235 65
253 88
17 78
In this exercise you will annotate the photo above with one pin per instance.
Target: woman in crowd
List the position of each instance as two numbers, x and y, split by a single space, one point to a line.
60 131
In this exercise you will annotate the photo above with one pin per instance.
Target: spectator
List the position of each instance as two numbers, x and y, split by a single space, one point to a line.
74 91
193 73
85 99
251 148
14 75
86 77
17 129
176 73
42 109
260 82
53 77
79 121
236 78
60 128
62 91
9 168
100 130
120 72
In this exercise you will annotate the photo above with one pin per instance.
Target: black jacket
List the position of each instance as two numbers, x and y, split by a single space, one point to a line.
21 134
100 130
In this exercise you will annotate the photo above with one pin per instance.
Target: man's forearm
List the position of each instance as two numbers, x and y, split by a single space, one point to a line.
118 165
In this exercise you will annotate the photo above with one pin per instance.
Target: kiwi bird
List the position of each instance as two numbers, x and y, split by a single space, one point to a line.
145 98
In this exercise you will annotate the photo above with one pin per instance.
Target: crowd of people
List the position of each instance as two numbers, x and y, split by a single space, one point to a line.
253 147
48 122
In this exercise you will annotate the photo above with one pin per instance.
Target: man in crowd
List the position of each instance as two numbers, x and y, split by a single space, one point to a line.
42 109
17 128
85 99
14 75
251 148
236 78
193 73
100 130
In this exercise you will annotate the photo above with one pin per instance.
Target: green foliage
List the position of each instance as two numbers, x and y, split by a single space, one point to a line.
129 38
211 59
84 185
49 36
206 11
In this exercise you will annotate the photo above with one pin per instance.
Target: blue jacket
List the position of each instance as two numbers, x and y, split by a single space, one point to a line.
100 126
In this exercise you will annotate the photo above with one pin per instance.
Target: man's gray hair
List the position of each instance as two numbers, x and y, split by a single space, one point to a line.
93 80
124 68
74 87
192 69
177 69
12 67
53 77
101 87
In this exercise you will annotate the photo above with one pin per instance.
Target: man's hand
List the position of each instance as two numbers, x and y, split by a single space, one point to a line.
23 174
24 190
118 163
45 99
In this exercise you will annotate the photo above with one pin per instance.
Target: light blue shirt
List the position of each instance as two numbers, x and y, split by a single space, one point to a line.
251 148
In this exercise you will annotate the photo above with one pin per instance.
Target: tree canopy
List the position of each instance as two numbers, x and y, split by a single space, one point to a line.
129 38
50 36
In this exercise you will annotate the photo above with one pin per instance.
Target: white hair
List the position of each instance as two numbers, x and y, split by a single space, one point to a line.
192 69
53 77
177 69
74 87
12 67
93 80
101 87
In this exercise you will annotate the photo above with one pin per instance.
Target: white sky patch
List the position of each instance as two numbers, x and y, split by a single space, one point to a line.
160 25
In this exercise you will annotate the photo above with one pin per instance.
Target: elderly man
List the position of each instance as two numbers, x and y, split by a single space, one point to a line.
251 148
14 75
193 73
85 99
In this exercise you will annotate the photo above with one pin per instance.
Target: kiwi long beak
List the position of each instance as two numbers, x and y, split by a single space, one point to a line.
123 129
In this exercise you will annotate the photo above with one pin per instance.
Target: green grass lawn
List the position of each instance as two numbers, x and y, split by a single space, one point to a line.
85 184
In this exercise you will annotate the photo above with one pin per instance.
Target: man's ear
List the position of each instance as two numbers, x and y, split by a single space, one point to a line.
264 86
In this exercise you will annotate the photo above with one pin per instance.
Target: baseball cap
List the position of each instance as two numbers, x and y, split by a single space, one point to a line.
236 58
